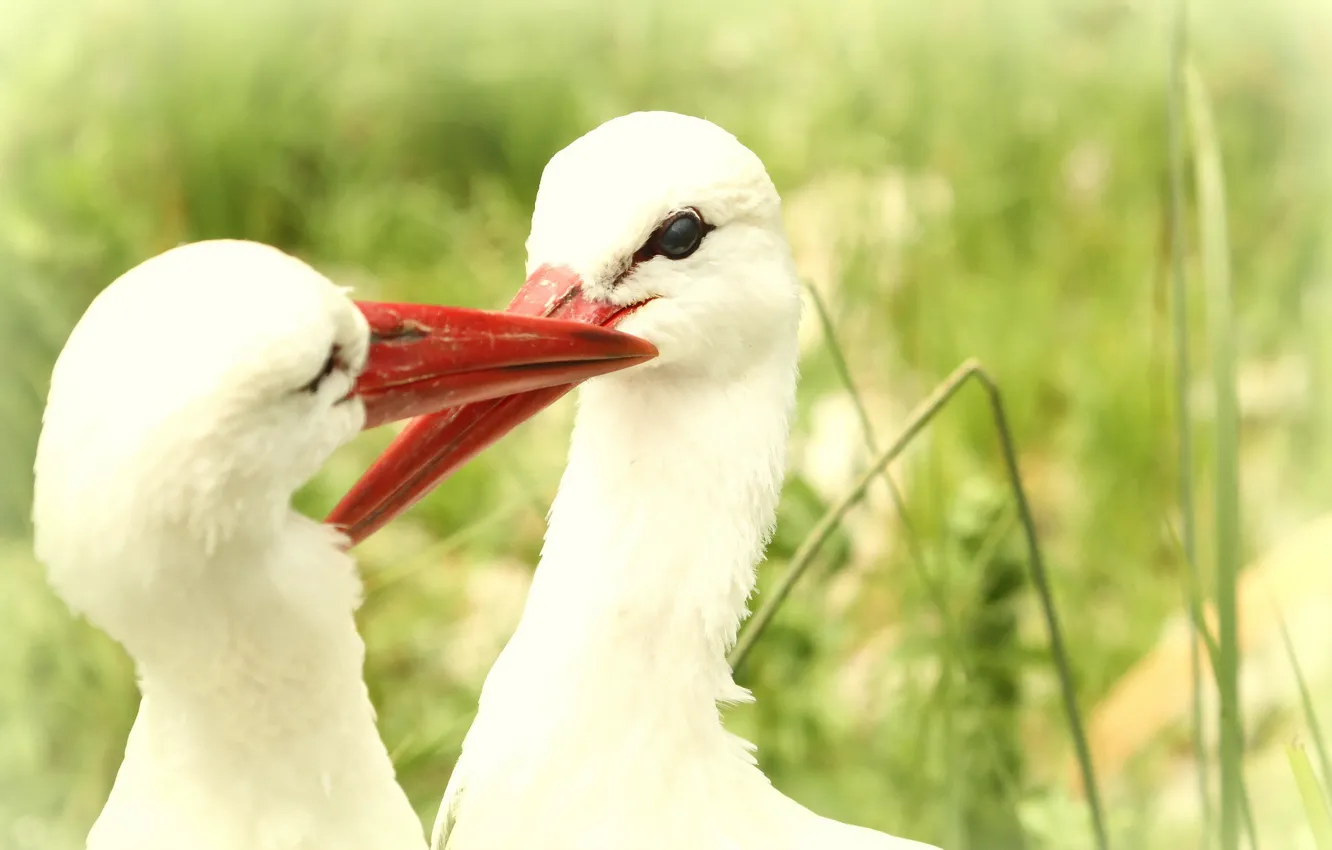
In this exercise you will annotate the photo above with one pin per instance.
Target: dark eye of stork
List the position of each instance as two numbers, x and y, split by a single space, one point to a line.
331 363
677 237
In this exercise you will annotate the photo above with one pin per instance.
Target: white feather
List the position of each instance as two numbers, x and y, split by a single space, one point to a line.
599 725
174 436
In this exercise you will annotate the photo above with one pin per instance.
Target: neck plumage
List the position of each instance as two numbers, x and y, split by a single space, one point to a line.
667 502
253 625
254 709
599 722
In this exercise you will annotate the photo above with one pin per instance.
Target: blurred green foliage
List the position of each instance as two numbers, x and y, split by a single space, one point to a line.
989 179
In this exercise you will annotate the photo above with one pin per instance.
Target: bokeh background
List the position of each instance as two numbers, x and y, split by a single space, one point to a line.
961 178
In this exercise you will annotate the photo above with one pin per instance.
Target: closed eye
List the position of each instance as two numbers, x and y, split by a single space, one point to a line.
331 364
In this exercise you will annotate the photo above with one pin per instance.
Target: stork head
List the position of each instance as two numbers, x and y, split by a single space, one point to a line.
665 225
205 385
661 225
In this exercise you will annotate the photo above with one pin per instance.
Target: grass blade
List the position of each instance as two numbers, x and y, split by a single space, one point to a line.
1057 650
1306 701
867 434
1194 604
1215 246
920 417
843 370
1183 379
827 524
1001 760
1312 796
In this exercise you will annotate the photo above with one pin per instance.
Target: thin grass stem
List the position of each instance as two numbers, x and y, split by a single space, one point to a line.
1215 247
1306 702
1312 795
1184 425
921 416
952 634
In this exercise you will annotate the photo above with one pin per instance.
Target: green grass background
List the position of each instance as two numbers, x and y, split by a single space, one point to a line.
962 178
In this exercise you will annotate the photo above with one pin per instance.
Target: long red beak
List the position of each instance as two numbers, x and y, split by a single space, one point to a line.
424 358
433 447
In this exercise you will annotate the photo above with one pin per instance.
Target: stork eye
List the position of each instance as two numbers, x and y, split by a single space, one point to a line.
679 236
330 364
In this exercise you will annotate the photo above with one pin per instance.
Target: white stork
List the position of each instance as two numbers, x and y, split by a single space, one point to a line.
194 396
598 726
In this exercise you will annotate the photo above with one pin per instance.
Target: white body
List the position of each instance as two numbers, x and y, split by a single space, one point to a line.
599 725
175 433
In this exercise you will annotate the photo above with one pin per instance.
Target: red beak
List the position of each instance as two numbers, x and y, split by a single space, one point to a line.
424 358
433 447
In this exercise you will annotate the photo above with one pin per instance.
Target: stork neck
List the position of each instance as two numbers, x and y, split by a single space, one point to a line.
255 726
254 643
194 607
667 502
